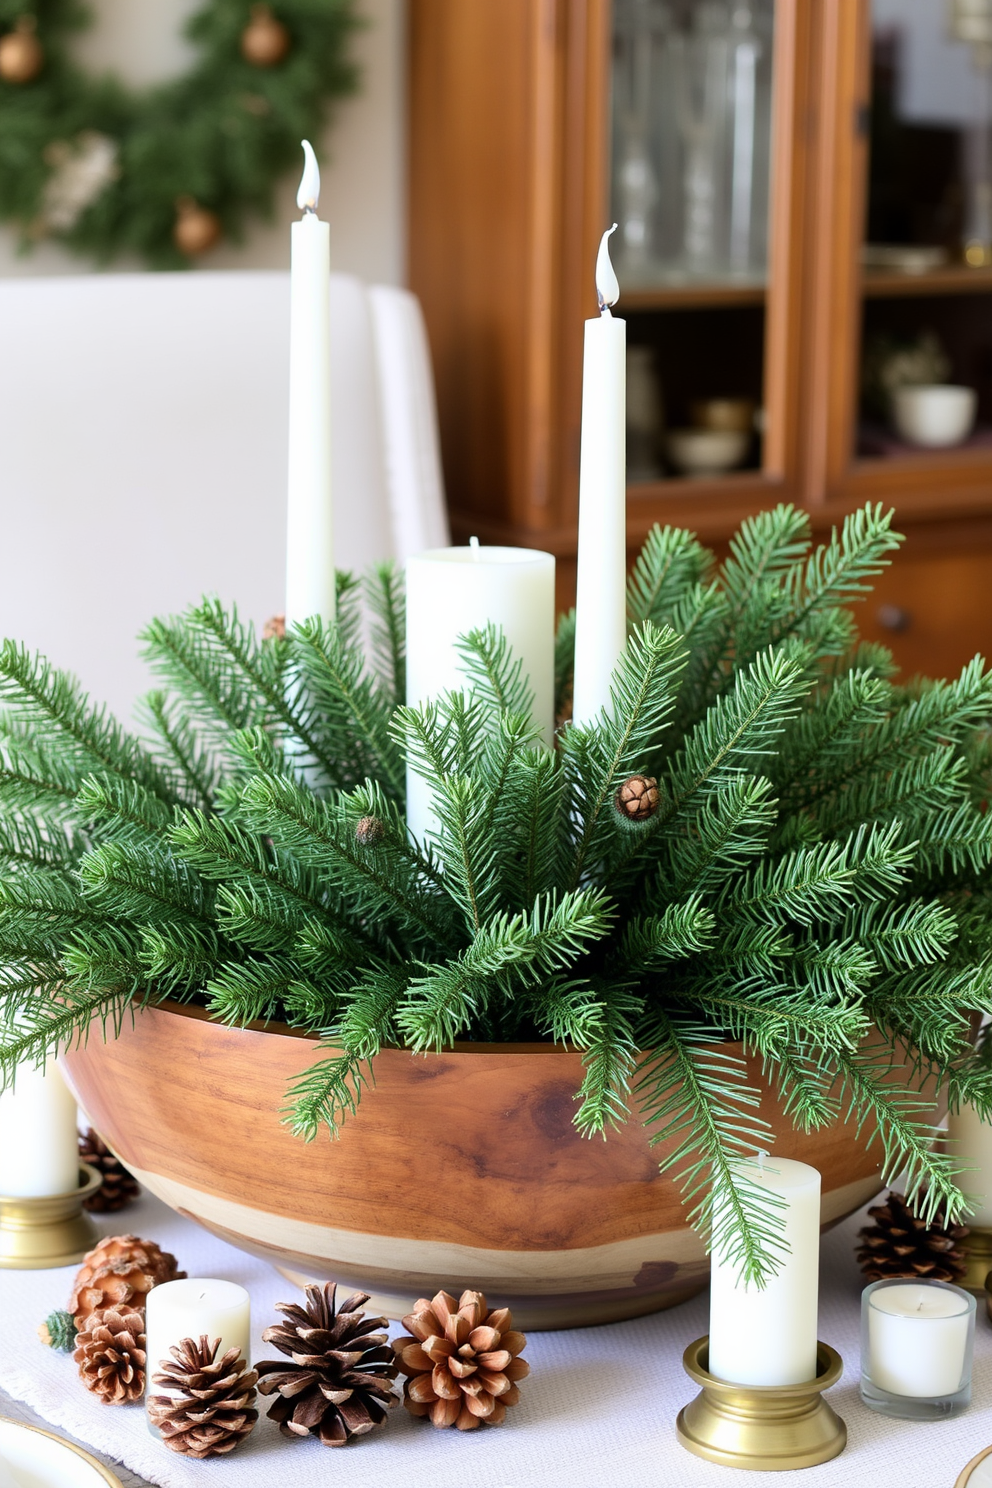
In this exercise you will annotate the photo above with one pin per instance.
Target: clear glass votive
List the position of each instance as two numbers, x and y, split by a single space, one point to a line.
917 1339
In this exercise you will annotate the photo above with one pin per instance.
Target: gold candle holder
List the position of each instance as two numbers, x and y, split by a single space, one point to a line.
770 1428
39 1233
978 1250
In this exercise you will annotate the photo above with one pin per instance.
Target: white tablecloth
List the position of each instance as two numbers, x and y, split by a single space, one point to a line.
597 1412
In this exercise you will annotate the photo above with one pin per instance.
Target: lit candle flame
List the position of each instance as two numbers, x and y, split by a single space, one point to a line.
607 284
309 193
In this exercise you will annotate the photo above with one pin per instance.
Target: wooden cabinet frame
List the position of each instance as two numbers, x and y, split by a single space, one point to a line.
509 128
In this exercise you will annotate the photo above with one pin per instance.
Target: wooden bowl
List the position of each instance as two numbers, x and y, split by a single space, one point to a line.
462 1169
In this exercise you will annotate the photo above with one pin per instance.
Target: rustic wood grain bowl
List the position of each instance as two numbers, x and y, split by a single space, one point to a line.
461 1169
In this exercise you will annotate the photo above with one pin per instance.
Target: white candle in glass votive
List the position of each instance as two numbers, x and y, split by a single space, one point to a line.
767 1336
192 1308
969 1140
601 577
39 1144
917 1339
451 591
310 585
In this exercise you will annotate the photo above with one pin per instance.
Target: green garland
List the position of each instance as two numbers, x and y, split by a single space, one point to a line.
220 135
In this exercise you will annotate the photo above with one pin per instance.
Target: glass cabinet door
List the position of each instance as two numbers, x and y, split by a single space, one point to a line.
925 372
691 153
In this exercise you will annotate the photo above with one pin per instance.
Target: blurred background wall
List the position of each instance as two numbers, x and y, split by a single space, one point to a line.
362 154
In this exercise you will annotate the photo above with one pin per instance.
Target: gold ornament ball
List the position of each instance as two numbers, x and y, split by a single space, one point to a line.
21 53
196 229
265 40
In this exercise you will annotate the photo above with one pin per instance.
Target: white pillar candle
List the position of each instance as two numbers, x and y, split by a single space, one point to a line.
39 1145
451 591
917 1339
969 1141
601 580
767 1336
309 538
194 1308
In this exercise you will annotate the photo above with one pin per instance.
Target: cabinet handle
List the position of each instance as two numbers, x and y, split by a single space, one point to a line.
894 617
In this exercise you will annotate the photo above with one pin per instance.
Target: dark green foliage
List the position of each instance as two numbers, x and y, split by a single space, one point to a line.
222 133
811 891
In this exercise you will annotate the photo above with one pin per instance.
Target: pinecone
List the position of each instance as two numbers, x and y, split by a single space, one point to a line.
120 1271
462 1361
274 628
211 1407
337 1386
638 798
110 1352
118 1187
369 831
900 1244
58 1331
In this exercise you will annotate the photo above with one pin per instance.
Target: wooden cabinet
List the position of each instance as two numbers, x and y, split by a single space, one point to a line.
509 191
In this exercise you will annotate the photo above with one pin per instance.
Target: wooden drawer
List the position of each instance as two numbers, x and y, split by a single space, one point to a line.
933 610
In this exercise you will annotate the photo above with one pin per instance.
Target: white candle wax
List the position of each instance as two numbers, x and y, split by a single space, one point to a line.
451 591
601 580
194 1308
767 1336
969 1139
309 537
917 1339
39 1146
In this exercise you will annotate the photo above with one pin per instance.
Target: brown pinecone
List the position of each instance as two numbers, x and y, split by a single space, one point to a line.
212 1405
120 1271
337 1386
110 1352
900 1244
118 1187
638 798
369 831
462 1361
274 628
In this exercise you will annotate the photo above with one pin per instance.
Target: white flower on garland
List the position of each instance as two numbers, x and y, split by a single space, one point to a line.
83 168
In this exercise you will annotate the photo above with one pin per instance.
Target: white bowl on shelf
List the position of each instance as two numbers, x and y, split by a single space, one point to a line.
936 415
702 452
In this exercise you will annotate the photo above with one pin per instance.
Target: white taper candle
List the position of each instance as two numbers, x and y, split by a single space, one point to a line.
309 536
767 1336
601 582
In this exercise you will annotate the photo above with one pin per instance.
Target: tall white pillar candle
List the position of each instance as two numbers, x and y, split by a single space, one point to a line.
451 591
601 582
309 537
39 1146
194 1308
969 1141
767 1336
917 1339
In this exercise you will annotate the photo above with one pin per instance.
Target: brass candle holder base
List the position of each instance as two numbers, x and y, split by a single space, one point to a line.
37 1234
978 1250
768 1428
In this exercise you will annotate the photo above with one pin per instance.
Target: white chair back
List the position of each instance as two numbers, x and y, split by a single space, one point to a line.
143 425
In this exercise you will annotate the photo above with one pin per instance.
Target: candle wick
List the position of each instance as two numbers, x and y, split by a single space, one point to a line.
473 543
761 1161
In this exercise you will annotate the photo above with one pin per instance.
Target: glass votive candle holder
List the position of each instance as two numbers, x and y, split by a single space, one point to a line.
917 1339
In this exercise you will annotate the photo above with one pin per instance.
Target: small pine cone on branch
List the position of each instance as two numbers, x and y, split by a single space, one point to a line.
211 1405
120 1271
338 1384
901 1244
462 1361
110 1352
118 1187
637 798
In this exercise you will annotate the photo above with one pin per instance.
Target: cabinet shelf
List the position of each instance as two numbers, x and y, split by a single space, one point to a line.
691 296
956 279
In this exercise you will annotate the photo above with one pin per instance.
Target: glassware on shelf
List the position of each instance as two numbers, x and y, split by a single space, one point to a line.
692 138
971 21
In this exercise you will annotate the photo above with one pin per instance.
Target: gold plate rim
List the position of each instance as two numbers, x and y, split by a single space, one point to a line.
964 1477
105 1473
